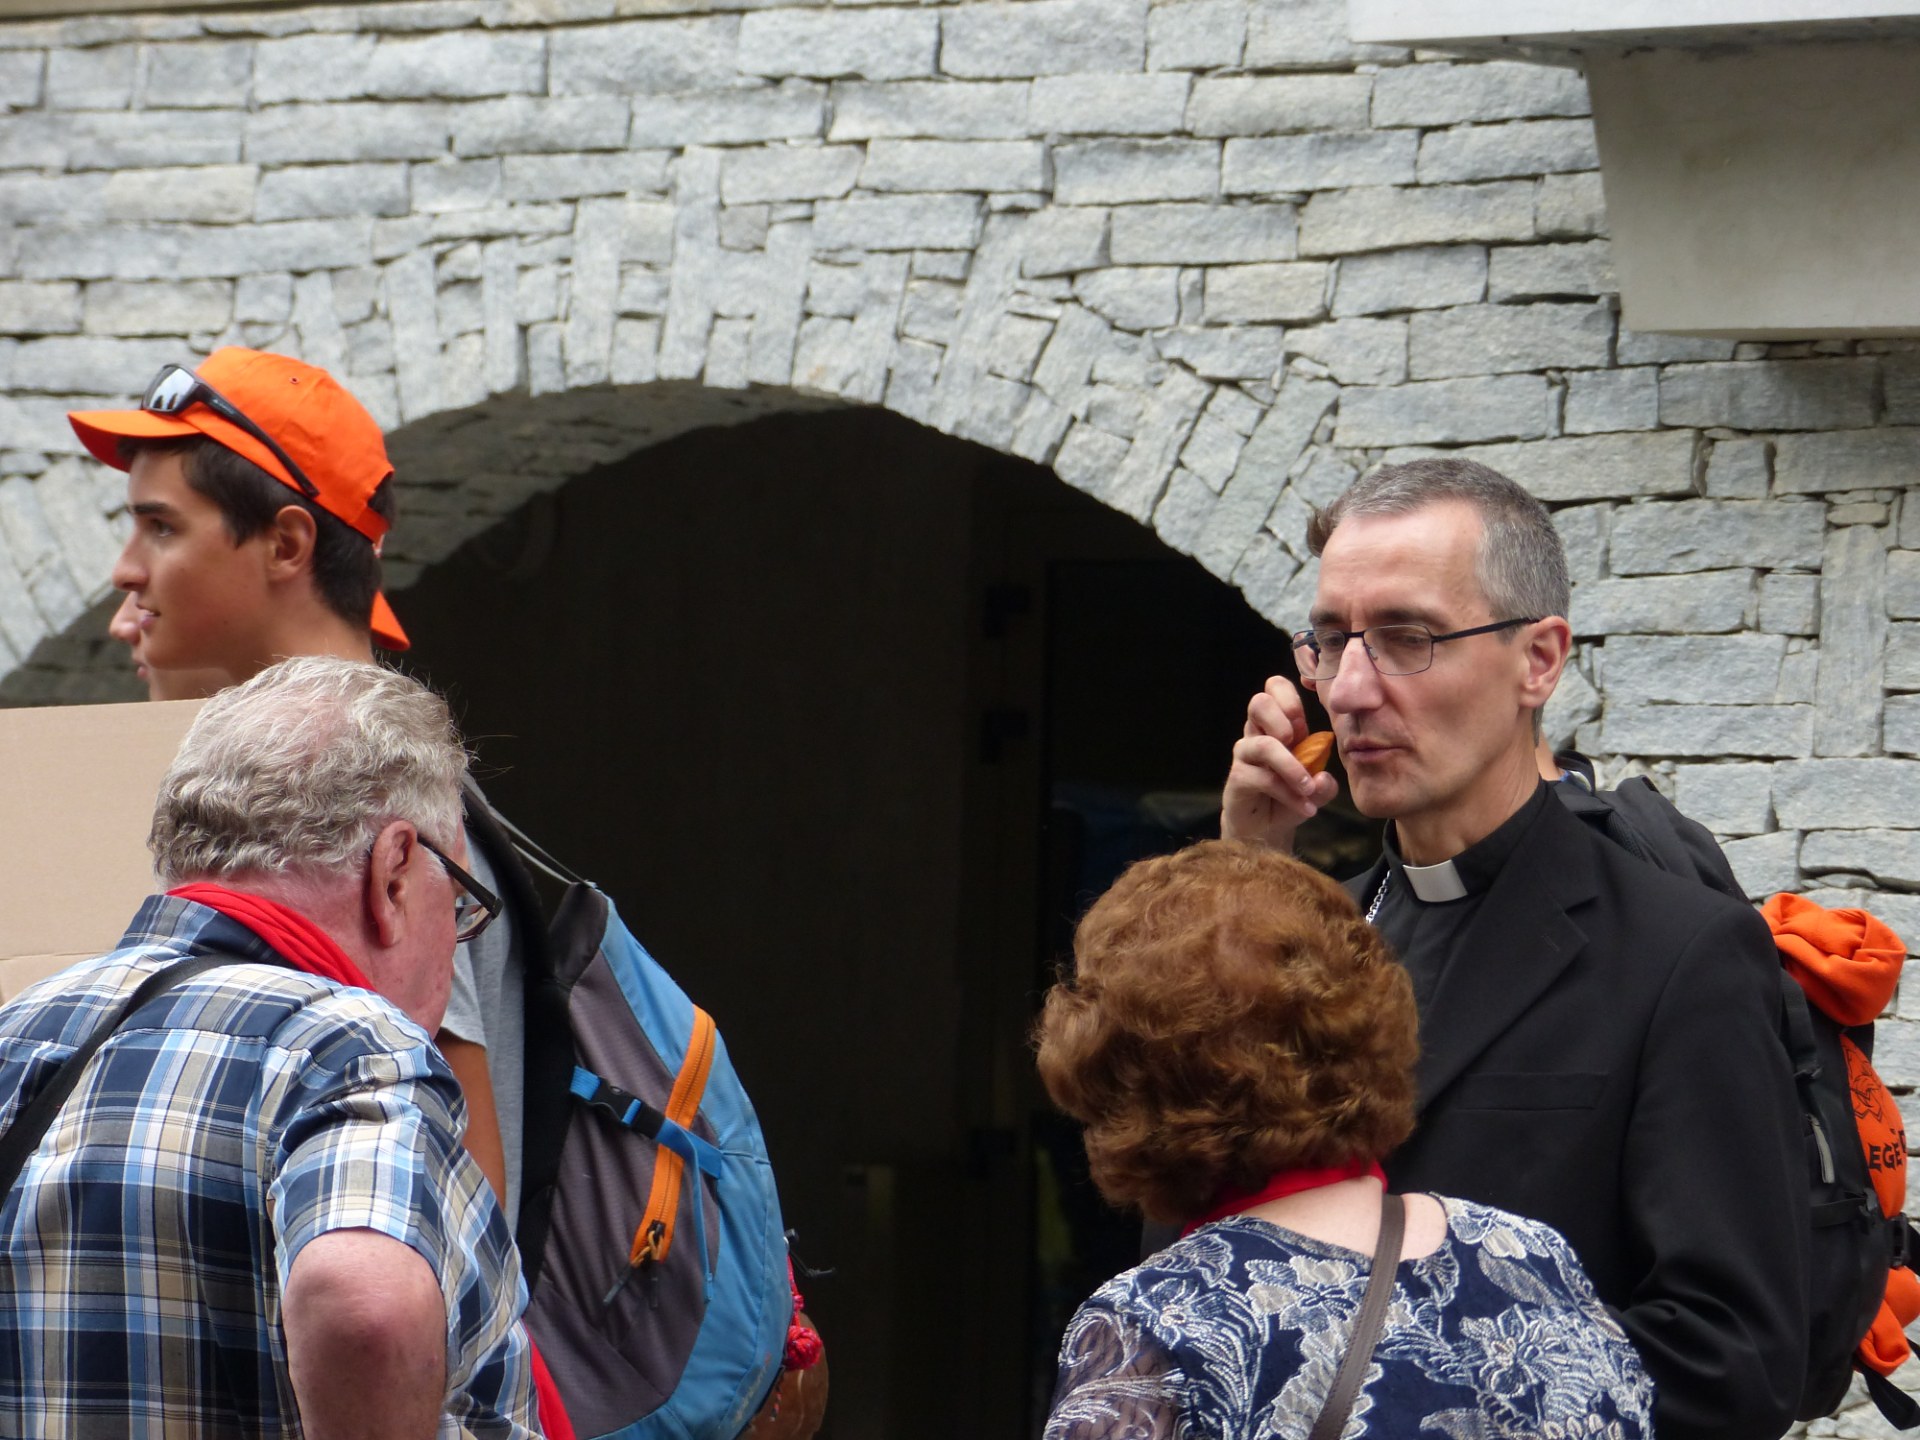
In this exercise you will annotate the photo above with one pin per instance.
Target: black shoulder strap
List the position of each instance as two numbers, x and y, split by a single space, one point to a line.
23 1136
1367 1326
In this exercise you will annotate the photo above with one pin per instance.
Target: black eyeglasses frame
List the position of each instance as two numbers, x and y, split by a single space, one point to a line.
488 902
200 392
1303 640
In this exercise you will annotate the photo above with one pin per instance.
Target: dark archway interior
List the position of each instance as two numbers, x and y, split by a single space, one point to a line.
851 719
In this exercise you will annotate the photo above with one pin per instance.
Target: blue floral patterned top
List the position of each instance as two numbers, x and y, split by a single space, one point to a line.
1237 1331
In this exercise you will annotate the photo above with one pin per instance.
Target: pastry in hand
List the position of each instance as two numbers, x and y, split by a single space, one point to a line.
1314 751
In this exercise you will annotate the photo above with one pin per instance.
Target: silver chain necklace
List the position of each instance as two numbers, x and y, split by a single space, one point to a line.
1379 895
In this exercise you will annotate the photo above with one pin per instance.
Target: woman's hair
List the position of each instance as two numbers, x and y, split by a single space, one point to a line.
1231 1015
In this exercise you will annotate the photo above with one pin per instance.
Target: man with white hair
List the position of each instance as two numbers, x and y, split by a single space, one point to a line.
248 1212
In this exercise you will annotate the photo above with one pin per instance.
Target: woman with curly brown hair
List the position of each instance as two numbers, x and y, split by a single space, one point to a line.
1240 1044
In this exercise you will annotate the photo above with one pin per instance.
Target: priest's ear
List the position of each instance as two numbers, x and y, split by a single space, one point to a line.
1544 647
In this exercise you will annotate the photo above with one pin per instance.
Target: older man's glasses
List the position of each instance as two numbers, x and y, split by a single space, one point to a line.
1393 649
474 905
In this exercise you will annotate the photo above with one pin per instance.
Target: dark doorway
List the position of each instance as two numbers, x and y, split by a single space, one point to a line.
852 719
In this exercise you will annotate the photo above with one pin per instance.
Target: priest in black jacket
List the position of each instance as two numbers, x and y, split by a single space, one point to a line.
1597 1035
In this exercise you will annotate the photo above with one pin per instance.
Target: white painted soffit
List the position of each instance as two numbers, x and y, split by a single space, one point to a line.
1523 26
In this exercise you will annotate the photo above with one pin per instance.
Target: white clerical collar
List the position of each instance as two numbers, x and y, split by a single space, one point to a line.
1434 883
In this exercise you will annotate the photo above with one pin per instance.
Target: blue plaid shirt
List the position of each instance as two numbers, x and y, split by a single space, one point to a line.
243 1114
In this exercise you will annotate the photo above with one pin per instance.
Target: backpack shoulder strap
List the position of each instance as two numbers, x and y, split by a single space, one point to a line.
30 1124
1682 845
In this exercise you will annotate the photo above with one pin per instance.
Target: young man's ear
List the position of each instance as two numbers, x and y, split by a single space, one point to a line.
290 542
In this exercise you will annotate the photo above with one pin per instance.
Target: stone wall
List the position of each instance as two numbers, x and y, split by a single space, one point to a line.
1205 259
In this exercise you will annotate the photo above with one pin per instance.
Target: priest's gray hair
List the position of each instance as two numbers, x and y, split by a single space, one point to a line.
298 770
1521 566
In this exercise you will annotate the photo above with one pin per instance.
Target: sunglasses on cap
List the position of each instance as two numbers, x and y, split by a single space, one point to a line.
175 388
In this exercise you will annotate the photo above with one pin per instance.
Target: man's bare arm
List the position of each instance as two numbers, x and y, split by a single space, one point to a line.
366 1339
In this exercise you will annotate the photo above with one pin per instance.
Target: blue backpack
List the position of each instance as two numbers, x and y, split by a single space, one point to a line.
650 1229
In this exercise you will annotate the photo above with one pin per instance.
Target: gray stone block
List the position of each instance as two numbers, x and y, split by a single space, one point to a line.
1666 539
1570 207
1738 469
1111 172
501 127
1088 457
73 198
1714 602
1439 412
293 134
928 165
1847 794
1633 348
1355 352
587 343
636 352
1239 352
1016 346
1212 451
1172 407
1853 639
1064 239
1498 339
32 422
648 57
1495 152
1900 377
95 79
1604 400
1306 34
642 292
1884 458
1196 34
1903 584
454 185
649 233
1247 503
567 177
1771 395
154 252
789 172
898 222
1272 104
263 299
1760 731
1330 160
118 307
90 544
131 140
794 110
23 74
947 110
1345 222
1182 512
1134 298
89 364
1903 657
1886 856
1411 280
990 39
40 308
890 44
1288 291
208 75
1596 467
931 311
461 65
1202 234
210 194
1765 864
1534 272
315 192
1790 604
312 67
1727 799
1583 534
1900 725
1108 104
1448 94
1696 669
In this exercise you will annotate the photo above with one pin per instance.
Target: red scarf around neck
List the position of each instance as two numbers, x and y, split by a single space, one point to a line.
1285 1182
288 933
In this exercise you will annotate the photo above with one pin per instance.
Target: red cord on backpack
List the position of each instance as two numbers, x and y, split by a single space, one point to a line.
804 1346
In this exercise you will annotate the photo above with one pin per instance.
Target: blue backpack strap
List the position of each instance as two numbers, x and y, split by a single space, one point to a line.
642 1118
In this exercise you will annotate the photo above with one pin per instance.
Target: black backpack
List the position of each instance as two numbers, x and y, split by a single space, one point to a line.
1853 1245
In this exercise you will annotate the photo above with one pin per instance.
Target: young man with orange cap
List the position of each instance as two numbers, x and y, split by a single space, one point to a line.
260 492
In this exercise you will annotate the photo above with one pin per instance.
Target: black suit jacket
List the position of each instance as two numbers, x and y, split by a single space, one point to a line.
1601 1054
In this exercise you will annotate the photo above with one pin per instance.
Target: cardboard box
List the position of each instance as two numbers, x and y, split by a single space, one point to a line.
79 782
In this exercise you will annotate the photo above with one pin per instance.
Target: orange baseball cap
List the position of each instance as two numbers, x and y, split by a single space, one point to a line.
295 421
